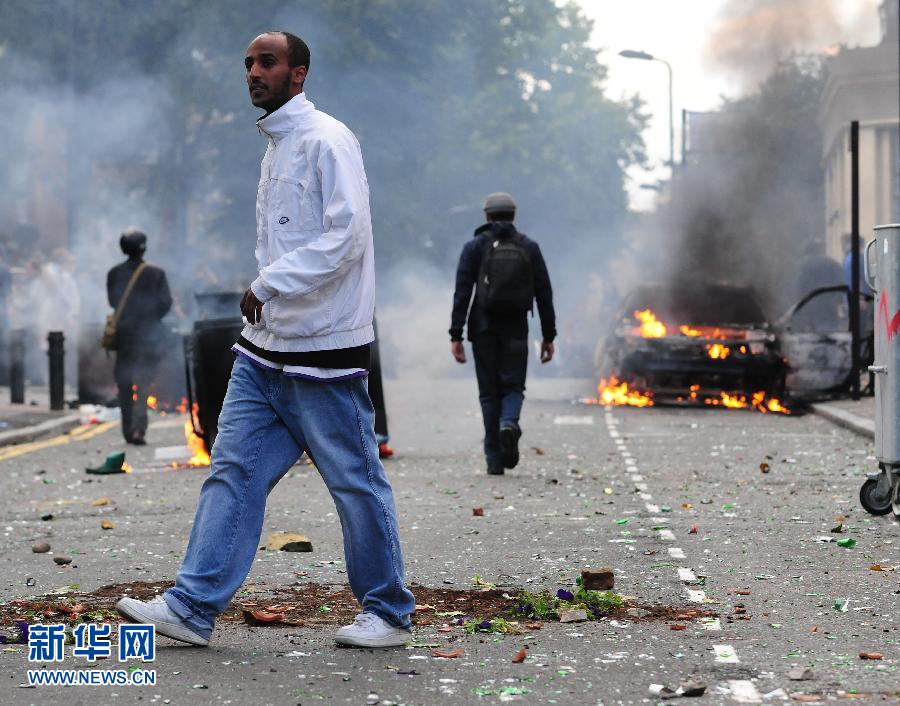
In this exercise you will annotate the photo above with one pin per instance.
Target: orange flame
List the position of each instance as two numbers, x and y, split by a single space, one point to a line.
152 402
127 467
651 327
195 443
717 351
688 331
615 393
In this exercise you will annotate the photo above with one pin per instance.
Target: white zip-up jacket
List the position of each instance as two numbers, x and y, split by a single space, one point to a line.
314 245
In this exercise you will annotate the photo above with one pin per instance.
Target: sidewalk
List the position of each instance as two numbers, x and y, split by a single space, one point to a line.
858 416
25 422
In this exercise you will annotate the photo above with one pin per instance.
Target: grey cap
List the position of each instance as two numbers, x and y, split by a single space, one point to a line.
499 202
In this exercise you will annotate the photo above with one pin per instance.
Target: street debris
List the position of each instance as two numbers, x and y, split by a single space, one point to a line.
47 517
573 615
694 529
764 467
62 560
847 543
520 656
688 688
114 463
871 655
478 512
602 579
40 548
107 525
100 502
448 654
264 617
288 542
800 674
538 451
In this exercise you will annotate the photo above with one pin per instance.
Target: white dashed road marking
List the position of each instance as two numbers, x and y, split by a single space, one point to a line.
742 691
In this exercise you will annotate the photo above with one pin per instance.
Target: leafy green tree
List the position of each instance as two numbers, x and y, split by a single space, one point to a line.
449 100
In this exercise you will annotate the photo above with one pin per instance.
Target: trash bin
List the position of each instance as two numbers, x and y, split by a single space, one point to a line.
880 494
208 362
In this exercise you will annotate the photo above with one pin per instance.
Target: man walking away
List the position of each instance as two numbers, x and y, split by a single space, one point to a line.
508 273
139 330
299 380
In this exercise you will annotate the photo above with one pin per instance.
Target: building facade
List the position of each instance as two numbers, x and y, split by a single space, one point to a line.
863 84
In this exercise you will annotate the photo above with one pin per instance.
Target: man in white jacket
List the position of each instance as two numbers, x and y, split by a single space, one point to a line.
299 378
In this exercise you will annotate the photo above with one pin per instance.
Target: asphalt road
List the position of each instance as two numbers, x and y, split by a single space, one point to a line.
621 488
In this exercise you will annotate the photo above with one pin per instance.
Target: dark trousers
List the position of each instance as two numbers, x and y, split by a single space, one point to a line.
500 366
376 392
134 373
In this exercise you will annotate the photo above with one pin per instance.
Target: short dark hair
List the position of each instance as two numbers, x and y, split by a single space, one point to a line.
298 51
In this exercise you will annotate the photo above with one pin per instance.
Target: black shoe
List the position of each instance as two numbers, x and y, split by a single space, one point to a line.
495 469
509 446
138 441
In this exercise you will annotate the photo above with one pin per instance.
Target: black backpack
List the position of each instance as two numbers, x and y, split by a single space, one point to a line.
505 278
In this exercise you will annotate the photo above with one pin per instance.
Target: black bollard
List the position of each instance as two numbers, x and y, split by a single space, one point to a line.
57 354
17 366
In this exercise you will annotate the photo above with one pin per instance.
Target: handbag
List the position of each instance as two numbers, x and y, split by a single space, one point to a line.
109 340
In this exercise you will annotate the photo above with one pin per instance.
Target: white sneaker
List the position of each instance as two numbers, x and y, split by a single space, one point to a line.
157 612
368 630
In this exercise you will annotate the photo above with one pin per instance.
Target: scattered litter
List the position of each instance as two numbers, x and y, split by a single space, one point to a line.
47 517
838 529
573 615
725 654
448 654
478 512
100 502
520 656
107 525
288 542
875 567
764 467
847 543
694 529
40 548
114 463
538 451
602 579
841 605
637 612
871 655
800 674
62 560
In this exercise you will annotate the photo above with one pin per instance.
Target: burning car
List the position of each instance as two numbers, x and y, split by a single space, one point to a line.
712 344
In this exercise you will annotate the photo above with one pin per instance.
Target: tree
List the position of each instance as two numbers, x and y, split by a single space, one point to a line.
449 100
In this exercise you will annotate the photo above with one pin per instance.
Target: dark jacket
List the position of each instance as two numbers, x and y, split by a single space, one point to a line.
479 321
140 322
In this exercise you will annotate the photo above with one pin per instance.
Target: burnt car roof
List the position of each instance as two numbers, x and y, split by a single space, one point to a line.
708 304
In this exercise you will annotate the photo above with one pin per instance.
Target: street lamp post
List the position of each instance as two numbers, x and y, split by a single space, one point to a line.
644 56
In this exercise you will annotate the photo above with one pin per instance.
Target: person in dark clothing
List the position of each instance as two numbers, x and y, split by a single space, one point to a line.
139 332
500 341
376 393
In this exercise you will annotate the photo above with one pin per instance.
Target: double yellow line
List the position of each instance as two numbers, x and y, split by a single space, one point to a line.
77 434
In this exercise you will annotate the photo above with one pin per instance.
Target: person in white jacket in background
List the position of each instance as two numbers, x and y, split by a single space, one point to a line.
299 381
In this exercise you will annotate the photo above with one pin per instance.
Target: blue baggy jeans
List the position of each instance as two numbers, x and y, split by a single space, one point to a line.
267 420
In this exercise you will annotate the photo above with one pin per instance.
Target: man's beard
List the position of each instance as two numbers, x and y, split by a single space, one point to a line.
281 95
